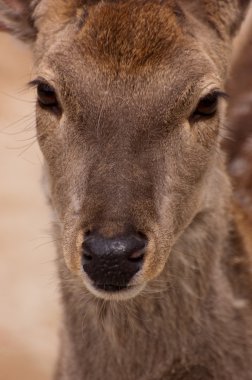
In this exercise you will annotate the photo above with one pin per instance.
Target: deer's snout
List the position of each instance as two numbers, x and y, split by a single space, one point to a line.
111 263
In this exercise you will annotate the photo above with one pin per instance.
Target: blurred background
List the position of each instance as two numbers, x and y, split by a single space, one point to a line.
29 306
29 311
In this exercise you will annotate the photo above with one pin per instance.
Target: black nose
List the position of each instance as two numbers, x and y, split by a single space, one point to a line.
112 262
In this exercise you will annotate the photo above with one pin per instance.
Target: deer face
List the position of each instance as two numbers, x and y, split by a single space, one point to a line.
128 119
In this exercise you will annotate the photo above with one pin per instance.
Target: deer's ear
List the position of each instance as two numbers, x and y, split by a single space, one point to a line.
16 18
224 16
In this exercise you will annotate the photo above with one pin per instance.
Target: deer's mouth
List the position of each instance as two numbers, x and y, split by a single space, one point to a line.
113 291
110 287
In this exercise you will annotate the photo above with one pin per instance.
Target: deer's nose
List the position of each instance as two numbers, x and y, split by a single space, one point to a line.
112 262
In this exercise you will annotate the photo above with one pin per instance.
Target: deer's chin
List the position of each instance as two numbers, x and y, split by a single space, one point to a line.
123 294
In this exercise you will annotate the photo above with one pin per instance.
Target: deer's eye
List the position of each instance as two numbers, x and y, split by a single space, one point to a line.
47 97
207 106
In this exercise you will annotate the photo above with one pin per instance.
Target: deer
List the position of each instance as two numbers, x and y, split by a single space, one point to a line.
153 250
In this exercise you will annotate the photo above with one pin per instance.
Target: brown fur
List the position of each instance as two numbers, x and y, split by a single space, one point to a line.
239 144
128 75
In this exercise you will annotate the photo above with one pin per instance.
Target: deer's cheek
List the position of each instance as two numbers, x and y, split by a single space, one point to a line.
157 254
72 241
154 264
50 134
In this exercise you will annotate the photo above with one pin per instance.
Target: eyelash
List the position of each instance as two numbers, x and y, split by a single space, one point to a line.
207 107
46 96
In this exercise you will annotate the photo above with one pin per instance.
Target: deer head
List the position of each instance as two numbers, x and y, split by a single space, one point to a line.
129 111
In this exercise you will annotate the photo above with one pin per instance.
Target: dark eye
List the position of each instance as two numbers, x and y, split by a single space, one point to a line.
207 106
47 97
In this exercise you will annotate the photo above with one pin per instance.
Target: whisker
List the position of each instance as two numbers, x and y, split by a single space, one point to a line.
17 99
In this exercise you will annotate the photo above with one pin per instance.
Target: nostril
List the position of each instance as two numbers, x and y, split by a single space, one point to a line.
87 256
136 257
142 236
87 233
137 252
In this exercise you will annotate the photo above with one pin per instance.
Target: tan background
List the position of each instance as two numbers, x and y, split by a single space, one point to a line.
29 310
28 286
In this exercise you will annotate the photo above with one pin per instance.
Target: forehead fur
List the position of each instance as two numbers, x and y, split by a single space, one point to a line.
118 33
130 33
